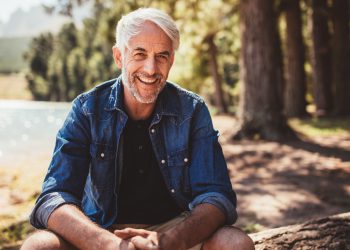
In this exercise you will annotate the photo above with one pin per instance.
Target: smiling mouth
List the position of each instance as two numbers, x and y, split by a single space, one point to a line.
147 81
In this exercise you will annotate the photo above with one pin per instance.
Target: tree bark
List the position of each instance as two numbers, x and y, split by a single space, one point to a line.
261 104
321 57
213 67
326 233
341 61
295 89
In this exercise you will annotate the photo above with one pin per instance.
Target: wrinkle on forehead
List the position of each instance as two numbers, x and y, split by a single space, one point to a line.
151 38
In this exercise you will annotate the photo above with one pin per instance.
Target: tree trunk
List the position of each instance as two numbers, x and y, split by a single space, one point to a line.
321 57
260 72
326 233
295 89
341 61
213 67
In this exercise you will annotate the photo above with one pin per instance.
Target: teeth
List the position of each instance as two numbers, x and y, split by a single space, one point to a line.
147 80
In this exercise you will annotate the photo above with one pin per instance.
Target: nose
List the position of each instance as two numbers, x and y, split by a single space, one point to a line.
150 66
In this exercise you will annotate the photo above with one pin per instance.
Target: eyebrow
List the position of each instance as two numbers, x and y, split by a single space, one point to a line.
140 49
165 53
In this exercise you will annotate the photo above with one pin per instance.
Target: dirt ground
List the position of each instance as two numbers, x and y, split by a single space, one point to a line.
282 184
276 184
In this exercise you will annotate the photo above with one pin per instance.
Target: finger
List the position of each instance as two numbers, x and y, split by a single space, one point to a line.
144 243
127 245
131 232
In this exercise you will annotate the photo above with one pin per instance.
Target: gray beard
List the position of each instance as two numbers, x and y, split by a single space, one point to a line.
130 84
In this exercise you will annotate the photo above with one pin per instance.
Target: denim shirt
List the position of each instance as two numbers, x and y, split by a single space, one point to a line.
86 165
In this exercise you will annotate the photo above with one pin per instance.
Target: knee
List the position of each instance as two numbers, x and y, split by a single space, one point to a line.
42 240
229 238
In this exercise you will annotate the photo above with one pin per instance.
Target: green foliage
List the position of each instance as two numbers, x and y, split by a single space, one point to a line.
11 50
79 59
321 126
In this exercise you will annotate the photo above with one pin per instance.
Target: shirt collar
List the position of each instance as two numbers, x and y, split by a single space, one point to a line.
167 102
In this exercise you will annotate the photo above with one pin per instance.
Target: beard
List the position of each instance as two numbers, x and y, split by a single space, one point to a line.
130 82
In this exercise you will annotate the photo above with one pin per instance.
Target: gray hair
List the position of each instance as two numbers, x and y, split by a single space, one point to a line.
130 25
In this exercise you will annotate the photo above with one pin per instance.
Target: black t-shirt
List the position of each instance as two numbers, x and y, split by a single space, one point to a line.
143 195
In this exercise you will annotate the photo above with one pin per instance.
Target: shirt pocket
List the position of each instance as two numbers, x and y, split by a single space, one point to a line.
179 163
102 165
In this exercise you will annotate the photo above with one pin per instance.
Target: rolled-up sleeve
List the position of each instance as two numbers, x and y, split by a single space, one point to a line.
47 204
218 200
65 180
210 181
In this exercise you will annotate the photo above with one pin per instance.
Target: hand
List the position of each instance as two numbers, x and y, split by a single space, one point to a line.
140 238
108 241
150 240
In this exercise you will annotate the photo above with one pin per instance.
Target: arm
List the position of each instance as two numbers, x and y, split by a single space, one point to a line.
62 219
57 207
66 176
204 220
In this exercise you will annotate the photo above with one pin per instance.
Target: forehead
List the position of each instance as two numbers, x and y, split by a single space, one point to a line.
150 38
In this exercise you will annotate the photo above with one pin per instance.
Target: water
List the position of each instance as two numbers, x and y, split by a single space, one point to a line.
28 128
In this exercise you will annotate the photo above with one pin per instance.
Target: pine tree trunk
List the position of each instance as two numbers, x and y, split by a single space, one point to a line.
295 89
214 71
260 72
321 58
341 61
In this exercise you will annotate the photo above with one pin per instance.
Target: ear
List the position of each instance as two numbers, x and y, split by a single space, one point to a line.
172 59
117 56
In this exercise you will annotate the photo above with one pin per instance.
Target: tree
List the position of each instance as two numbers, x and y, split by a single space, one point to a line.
324 233
295 88
260 102
214 71
321 57
341 54
203 21
39 51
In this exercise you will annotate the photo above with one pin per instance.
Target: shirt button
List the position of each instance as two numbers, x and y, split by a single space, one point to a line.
172 190
185 160
162 161
140 147
153 130
102 155
141 171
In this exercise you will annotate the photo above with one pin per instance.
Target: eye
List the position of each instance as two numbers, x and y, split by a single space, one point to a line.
162 58
139 56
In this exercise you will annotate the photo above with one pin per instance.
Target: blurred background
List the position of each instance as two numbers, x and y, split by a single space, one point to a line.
275 74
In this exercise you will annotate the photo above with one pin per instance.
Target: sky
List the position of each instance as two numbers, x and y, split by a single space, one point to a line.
7 7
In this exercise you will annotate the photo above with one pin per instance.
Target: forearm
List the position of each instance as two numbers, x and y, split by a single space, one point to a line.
71 223
204 220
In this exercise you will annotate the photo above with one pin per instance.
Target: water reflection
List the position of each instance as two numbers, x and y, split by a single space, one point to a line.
28 127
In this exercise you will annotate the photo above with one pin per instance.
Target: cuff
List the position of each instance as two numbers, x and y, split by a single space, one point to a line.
47 204
218 200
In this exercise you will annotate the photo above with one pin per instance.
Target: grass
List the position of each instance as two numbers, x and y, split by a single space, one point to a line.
13 235
321 126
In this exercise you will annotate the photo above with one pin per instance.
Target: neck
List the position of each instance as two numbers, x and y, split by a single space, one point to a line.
135 109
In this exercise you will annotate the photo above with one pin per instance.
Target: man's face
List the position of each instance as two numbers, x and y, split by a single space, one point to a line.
145 63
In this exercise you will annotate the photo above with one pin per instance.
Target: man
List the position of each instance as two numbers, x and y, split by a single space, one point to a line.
137 163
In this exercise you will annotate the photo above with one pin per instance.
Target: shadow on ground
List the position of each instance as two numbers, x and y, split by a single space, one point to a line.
281 184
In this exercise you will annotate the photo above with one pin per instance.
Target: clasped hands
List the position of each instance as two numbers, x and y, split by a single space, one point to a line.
141 239
138 239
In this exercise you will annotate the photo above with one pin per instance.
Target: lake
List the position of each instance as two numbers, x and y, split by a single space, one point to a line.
28 129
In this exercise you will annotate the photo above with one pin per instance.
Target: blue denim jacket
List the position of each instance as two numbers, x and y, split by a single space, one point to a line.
86 166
